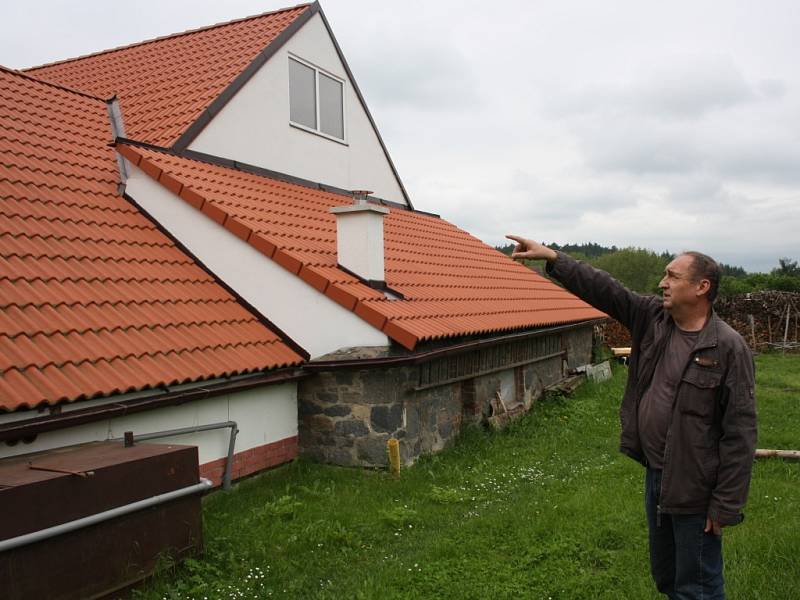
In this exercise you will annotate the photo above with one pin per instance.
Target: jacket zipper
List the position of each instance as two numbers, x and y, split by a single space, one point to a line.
669 431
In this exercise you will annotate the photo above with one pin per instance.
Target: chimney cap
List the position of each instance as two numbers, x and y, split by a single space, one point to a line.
360 196
355 208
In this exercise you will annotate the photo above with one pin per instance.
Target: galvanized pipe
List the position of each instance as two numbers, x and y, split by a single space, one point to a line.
226 477
49 532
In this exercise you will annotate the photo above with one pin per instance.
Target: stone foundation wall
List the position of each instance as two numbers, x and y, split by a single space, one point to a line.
347 416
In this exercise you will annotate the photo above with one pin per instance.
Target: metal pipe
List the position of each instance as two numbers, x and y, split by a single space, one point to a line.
226 477
43 534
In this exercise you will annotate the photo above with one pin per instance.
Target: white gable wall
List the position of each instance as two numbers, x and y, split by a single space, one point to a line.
254 126
310 318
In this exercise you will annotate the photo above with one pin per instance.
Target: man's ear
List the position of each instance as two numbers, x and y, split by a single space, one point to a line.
703 287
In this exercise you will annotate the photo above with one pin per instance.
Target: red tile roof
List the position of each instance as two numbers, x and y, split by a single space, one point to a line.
151 79
452 283
94 299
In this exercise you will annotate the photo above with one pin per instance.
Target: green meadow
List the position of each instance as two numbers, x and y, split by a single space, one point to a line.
547 509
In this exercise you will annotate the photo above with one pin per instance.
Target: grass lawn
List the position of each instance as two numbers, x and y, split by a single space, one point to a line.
546 509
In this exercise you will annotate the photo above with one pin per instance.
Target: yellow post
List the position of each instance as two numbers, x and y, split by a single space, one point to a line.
394 456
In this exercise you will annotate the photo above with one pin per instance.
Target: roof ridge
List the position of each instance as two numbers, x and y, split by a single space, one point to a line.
63 88
166 37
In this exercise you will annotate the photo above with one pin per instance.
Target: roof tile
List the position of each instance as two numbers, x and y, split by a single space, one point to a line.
452 283
151 78
94 299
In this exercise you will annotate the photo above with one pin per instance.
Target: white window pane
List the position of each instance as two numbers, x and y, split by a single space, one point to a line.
331 115
302 94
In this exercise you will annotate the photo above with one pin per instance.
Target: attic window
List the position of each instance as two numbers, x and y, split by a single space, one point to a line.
316 100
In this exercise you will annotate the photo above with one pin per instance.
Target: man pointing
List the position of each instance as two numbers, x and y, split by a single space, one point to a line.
688 412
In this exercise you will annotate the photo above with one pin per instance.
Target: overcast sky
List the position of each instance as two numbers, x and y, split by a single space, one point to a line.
668 125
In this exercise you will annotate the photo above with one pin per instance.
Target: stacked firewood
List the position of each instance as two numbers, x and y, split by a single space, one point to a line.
616 334
759 317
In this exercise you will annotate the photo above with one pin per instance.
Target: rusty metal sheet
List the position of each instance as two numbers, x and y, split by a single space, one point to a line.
95 560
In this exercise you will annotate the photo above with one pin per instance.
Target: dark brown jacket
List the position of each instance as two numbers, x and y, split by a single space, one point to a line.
712 434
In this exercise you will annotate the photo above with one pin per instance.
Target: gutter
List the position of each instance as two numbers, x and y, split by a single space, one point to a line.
421 357
27 428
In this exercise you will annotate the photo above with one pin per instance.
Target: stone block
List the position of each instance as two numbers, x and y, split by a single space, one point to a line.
352 427
372 450
378 389
341 456
412 420
318 423
344 378
337 410
387 418
446 429
350 397
307 408
360 411
329 397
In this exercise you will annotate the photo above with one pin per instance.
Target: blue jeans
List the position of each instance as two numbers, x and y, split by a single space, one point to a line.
686 562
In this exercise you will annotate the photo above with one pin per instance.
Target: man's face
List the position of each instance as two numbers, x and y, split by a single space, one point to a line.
677 286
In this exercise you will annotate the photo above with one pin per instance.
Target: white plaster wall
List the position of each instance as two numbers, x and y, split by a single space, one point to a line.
264 415
254 126
310 318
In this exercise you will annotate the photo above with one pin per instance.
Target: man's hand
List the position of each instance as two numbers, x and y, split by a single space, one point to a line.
531 250
713 526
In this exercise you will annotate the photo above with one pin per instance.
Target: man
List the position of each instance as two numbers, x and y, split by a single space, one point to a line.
688 413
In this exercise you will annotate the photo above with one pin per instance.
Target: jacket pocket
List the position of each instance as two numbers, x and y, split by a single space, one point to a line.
698 393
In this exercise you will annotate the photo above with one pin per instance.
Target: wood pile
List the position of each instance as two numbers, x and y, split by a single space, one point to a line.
616 334
764 319
769 319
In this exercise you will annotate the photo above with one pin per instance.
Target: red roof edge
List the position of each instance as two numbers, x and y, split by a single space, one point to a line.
166 37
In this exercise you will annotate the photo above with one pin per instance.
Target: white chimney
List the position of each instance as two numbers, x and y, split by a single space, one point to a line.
359 237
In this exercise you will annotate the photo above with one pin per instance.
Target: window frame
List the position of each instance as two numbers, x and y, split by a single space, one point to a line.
318 131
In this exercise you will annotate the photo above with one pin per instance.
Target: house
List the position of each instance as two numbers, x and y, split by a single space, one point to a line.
239 147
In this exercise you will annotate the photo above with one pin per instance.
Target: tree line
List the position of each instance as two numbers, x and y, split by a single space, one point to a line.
640 269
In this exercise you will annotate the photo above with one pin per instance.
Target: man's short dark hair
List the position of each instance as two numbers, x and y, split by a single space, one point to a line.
705 267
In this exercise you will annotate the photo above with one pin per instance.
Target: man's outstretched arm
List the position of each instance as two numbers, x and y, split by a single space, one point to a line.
592 285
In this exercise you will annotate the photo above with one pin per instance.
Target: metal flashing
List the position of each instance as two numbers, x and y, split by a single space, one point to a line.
373 283
263 172
118 130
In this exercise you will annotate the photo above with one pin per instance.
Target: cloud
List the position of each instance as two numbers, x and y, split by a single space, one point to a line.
683 87
422 76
